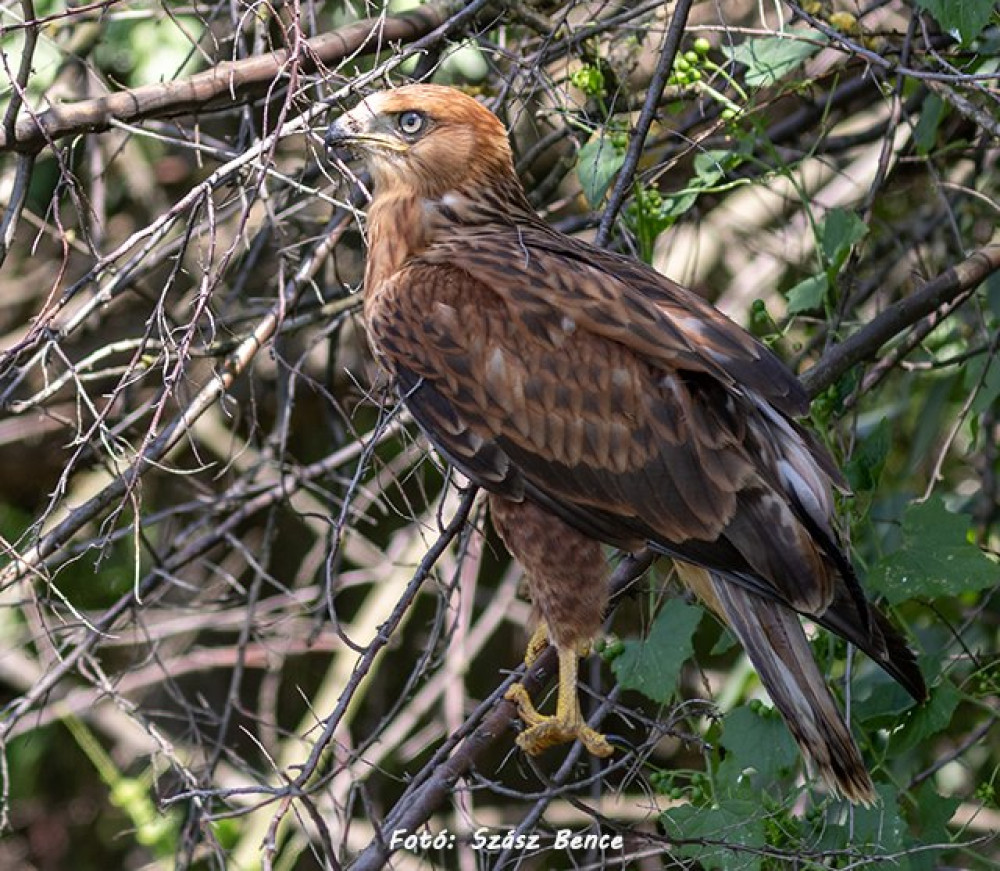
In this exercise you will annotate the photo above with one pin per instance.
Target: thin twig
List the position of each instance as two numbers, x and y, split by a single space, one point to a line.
865 343
637 140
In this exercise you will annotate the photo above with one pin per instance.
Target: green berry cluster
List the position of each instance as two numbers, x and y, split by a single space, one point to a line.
692 66
686 66
589 79
698 789
610 648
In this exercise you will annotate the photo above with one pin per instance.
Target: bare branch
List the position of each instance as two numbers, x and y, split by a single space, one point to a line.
224 83
955 282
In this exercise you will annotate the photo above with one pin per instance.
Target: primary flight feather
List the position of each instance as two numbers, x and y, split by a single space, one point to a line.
600 402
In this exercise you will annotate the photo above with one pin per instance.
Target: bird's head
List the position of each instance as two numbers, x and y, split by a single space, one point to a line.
428 140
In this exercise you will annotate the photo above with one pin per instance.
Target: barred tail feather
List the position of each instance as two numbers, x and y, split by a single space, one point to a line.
773 638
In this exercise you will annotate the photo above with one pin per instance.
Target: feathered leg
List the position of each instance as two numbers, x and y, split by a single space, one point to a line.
567 580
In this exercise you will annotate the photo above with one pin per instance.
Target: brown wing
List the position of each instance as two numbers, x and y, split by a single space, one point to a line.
620 299
551 393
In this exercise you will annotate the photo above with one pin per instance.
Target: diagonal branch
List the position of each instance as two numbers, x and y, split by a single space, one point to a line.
954 282
224 83
437 780
650 107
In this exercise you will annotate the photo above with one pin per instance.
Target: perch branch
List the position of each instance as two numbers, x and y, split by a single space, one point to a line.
438 778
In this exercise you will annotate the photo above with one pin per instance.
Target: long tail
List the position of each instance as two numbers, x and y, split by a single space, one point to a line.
773 638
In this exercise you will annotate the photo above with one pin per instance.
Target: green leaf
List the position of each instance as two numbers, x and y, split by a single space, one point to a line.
864 469
880 826
964 19
931 114
676 204
808 295
652 666
936 557
928 719
992 285
762 743
772 57
597 164
711 166
936 812
733 821
841 231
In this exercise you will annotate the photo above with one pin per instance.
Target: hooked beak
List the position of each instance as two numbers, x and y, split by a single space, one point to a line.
350 132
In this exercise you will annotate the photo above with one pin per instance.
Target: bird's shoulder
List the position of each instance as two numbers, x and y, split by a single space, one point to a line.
547 281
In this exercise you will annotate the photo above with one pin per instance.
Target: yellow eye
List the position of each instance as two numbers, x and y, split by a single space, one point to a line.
410 123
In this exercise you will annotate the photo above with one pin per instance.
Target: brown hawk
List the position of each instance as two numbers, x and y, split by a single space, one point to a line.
600 402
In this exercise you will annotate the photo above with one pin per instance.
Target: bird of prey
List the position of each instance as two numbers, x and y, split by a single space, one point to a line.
599 402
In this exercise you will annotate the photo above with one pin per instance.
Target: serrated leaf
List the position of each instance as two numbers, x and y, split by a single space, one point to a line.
761 743
928 719
936 812
597 164
864 469
936 557
733 821
879 826
841 231
807 295
653 664
964 19
771 58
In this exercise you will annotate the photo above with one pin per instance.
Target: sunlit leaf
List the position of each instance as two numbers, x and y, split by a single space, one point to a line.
771 58
841 231
597 164
807 295
964 19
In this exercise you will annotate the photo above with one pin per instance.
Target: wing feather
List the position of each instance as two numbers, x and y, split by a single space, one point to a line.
626 449
624 445
621 299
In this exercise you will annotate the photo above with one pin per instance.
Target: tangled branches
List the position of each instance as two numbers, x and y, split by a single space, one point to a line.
274 627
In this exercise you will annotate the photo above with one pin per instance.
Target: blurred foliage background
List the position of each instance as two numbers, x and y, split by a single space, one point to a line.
247 620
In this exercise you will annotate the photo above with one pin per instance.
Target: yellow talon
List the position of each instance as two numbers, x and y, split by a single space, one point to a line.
536 645
567 724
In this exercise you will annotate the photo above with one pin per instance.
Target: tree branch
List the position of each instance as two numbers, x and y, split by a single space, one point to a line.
436 781
649 109
223 84
865 343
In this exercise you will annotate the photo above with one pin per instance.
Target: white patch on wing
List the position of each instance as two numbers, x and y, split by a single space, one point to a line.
620 378
811 496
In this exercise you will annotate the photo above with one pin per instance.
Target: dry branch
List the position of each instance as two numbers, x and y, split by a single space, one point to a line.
222 85
955 282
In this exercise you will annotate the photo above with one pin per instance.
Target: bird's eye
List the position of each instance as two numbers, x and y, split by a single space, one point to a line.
410 123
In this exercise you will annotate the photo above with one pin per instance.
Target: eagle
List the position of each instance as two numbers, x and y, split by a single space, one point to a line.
600 403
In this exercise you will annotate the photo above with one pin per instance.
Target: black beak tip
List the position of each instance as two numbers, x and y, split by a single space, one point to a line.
337 143
334 138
